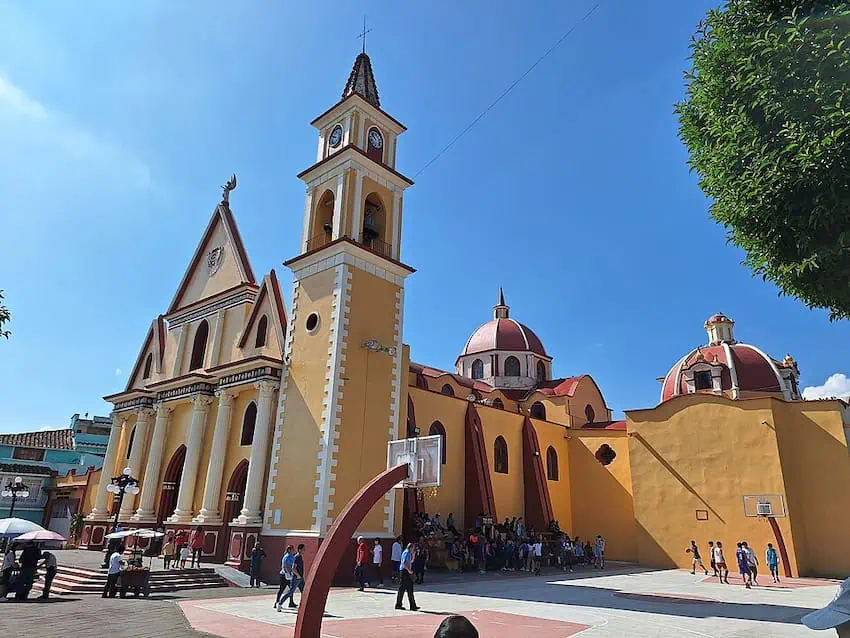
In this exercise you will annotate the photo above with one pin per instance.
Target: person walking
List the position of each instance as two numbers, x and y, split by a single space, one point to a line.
395 557
711 562
720 562
406 579
287 563
419 562
9 564
113 572
29 564
257 556
296 580
197 543
696 558
771 557
753 561
377 560
744 566
50 568
360 563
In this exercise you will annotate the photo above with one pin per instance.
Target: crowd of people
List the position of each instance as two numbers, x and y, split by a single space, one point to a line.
745 557
19 573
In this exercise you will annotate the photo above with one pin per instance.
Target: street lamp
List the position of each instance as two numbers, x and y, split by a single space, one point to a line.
15 489
120 485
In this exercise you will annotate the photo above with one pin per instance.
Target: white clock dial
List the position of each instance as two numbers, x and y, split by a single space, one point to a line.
336 135
375 139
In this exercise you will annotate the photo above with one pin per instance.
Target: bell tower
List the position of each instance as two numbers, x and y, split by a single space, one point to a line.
342 384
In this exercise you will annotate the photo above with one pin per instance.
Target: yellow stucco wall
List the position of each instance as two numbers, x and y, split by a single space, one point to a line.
507 488
451 412
550 434
602 494
702 453
305 393
816 466
366 401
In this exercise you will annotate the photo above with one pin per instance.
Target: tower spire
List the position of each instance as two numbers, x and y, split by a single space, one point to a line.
501 310
362 80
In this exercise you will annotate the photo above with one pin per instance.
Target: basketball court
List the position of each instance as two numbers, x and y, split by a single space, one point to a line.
623 602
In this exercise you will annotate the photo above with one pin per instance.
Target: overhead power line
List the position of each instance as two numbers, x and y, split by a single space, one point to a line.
509 89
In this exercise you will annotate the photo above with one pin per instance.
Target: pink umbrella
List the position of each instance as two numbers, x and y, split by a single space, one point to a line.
40 535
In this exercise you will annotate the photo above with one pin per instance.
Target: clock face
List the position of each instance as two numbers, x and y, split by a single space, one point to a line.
336 136
375 139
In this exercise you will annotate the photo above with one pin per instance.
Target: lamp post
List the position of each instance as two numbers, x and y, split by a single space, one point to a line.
15 489
120 485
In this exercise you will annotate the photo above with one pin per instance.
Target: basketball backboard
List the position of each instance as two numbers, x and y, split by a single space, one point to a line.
764 505
423 456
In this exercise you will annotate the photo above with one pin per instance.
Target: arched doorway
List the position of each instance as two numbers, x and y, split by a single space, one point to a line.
171 485
234 499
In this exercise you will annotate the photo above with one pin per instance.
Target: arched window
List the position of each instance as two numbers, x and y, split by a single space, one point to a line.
262 329
374 221
500 456
589 414
323 229
375 144
447 390
551 464
199 347
538 410
541 372
130 442
478 369
148 362
497 403
511 367
249 421
435 429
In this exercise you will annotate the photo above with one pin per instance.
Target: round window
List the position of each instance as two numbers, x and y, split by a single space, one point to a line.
312 323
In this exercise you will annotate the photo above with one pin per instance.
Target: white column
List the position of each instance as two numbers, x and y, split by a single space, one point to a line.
308 217
396 239
209 514
140 442
150 481
102 498
181 346
337 221
194 443
357 213
250 514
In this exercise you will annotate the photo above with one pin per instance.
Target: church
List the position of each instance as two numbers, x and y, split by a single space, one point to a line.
261 421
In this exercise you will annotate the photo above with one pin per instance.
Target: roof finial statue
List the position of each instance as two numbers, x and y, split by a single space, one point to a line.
225 190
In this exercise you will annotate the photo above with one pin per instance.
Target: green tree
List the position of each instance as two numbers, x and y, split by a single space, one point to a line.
5 317
766 119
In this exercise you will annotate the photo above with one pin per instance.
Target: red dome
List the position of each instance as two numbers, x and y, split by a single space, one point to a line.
504 334
743 366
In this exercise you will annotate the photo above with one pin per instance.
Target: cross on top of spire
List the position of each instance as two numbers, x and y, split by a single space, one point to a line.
362 80
363 34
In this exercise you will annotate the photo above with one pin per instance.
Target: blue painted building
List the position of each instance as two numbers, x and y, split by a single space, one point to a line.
38 457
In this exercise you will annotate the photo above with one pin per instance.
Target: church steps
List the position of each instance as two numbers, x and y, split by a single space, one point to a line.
73 580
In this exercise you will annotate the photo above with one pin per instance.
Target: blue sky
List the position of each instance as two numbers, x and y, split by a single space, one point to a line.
119 121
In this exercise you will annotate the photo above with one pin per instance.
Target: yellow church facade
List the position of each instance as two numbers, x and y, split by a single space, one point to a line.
256 420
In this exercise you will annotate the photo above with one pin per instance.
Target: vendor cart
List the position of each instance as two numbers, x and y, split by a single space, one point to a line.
137 580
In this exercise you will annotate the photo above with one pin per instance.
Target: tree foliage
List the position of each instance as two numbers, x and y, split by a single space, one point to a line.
5 317
766 119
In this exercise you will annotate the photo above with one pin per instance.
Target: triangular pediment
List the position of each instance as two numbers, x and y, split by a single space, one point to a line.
268 304
220 262
153 347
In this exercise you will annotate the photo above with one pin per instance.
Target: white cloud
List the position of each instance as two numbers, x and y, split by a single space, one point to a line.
836 386
32 132
117 372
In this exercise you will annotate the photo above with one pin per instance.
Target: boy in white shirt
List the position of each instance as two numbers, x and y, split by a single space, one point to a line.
720 562
395 558
537 550
377 559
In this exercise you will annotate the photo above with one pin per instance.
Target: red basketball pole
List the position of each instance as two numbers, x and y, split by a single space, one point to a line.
332 549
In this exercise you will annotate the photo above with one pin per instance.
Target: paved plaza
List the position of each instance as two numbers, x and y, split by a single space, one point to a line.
619 602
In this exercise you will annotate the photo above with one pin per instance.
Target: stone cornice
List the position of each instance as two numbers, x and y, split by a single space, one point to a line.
243 294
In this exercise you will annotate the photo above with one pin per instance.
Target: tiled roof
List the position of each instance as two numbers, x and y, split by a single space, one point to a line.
19 468
605 425
51 439
362 81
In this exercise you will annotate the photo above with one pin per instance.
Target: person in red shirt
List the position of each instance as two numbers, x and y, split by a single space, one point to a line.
361 562
197 544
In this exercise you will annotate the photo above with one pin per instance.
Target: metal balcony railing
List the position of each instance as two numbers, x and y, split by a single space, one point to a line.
376 246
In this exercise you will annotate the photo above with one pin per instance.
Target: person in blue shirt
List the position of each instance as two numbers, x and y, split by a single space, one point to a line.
772 560
287 567
405 572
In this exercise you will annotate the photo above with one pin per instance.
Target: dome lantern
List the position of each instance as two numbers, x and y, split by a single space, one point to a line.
719 329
